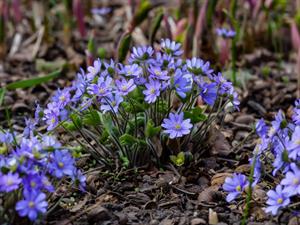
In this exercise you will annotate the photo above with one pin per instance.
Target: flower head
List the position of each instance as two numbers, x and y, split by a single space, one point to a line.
176 126
226 33
291 181
124 86
152 91
277 199
171 47
182 83
235 185
199 67
9 182
209 93
62 163
32 205
111 103
94 70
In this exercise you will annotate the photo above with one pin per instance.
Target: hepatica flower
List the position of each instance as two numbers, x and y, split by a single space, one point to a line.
94 70
208 93
235 186
152 91
176 126
9 182
171 47
226 33
199 67
293 146
140 54
102 88
276 199
182 83
111 103
32 205
291 182
124 86
62 163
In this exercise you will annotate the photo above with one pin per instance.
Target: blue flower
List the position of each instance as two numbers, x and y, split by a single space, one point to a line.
133 70
293 146
140 54
9 182
226 33
152 91
175 126
111 103
102 88
171 47
182 83
291 181
199 67
124 86
32 205
261 128
94 70
158 73
51 115
235 185
62 163
209 93
277 199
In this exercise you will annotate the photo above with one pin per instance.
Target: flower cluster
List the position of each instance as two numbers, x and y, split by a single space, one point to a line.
28 166
282 140
226 33
155 90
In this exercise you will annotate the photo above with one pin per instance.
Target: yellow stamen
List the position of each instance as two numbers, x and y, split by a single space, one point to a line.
238 188
279 201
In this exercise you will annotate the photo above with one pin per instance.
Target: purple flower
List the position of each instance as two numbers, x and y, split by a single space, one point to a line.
158 73
296 113
182 83
80 179
164 60
38 113
171 47
51 115
94 70
176 126
261 128
6 137
235 185
152 91
62 163
9 182
292 181
111 103
124 86
133 70
140 54
277 199
199 67
32 204
29 128
277 124
32 182
101 11
62 97
226 33
225 87
102 88
79 85
293 146
209 93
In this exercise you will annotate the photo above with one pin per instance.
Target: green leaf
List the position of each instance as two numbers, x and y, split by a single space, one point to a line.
141 13
151 130
156 24
76 120
92 118
69 126
196 115
127 139
33 81
2 94
179 159
124 46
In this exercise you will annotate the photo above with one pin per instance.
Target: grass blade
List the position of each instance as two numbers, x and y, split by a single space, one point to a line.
33 81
